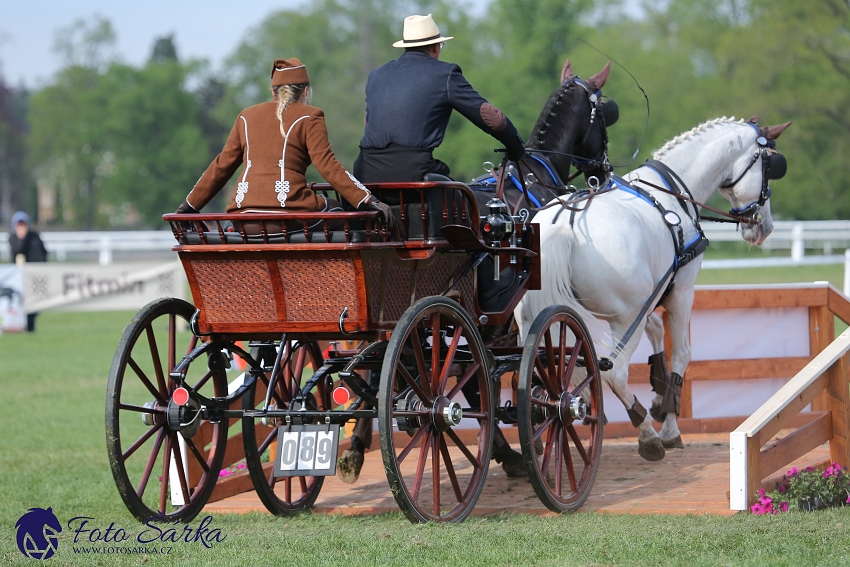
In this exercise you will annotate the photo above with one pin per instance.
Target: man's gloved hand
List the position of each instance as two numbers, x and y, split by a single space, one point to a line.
373 204
516 153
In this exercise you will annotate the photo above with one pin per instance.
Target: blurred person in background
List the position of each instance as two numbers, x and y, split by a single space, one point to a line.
26 247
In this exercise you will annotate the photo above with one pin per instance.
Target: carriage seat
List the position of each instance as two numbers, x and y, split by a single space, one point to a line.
334 237
413 228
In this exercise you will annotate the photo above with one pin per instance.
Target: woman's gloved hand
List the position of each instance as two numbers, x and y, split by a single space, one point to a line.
186 209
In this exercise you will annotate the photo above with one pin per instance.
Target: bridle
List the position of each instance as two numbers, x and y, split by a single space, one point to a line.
773 166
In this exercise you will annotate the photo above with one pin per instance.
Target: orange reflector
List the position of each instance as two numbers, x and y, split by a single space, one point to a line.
340 395
180 396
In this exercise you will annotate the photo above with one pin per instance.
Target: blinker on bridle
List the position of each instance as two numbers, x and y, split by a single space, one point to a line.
773 166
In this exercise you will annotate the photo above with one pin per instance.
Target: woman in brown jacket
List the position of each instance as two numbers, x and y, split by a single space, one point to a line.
276 141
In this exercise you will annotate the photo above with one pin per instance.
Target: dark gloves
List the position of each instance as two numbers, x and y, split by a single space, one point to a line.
516 151
373 204
185 208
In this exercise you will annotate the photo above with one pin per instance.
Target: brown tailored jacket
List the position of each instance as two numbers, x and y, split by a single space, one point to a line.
273 176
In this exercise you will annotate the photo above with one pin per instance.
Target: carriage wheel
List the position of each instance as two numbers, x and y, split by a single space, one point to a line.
435 444
560 409
160 472
282 496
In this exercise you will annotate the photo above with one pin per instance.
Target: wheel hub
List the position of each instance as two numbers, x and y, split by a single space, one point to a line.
409 424
150 419
446 413
539 413
571 408
184 418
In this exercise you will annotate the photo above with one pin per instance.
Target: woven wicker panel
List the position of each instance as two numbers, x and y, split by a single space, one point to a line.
235 290
437 277
318 290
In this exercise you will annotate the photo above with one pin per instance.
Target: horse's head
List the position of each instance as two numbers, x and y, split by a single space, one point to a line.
745 184
573 125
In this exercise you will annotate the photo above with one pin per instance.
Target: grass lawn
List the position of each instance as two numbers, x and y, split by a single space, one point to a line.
52 454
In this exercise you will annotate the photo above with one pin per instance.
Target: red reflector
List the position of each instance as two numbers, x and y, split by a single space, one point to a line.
180 396
487 227
340 395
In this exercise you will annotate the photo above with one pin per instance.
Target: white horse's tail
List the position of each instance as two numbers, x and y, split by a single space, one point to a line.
556 249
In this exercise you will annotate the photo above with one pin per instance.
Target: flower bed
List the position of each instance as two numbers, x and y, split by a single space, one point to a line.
807 489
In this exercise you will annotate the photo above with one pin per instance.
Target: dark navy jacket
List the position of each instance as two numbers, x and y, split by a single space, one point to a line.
409 102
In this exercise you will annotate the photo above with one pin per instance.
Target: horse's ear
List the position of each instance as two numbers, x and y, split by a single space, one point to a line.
567 71
754 119
598 80
772 132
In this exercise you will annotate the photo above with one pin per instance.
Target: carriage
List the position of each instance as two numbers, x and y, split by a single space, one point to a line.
409 344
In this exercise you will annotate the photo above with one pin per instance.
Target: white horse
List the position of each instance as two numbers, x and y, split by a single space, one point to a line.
618 258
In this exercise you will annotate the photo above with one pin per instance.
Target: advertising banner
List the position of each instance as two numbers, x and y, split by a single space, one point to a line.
92 287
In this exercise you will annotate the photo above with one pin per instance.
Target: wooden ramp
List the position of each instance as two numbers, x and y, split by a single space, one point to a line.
693 480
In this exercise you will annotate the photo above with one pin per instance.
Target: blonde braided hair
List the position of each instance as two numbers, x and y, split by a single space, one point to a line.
286 95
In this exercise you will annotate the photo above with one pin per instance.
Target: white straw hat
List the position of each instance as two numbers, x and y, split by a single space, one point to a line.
420 30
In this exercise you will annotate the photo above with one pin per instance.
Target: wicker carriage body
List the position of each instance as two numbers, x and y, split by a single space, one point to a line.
353 282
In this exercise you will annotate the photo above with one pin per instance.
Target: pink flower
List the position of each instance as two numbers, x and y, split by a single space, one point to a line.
781 488
757 509
783 506
793 472
222 472
848 499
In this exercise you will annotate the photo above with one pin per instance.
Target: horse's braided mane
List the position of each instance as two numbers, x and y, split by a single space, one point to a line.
657 154
538 134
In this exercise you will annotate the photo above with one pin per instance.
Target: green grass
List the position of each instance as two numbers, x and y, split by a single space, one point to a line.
52 454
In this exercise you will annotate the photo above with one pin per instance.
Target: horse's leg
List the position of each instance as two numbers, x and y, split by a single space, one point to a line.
678 306
659 375
649 444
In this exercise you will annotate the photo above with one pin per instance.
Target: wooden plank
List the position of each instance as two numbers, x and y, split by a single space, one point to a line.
838 404
617 429
751 297
753 484
746 369
821 334
792 393
839 305
788 449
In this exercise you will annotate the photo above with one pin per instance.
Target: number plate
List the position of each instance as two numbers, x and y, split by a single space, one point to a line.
307 450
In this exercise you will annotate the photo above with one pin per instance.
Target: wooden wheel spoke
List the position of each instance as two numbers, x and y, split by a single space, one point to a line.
267 441
450 357
287 488
172 341
471 371
413 441
160 397
141 440
463 448
444 449
157 363
580 388
181 471
420 467
475 414
204 379
542 403
166 470
436 345
143 482
298 371
551 365
193 342
543 427
566 377
579 446
140 409
568 458
435 473
562 356
198 455
416 341
302 482
420 393
543 372
547 450
559 438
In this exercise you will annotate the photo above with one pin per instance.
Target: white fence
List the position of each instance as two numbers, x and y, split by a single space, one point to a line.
796 236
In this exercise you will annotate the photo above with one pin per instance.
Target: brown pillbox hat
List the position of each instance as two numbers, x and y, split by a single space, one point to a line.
289 72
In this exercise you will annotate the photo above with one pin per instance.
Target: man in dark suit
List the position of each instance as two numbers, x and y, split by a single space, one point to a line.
408 105
26 247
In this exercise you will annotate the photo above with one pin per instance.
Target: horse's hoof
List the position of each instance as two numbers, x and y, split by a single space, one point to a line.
348 466
674 443
655 412
652 450
510 460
